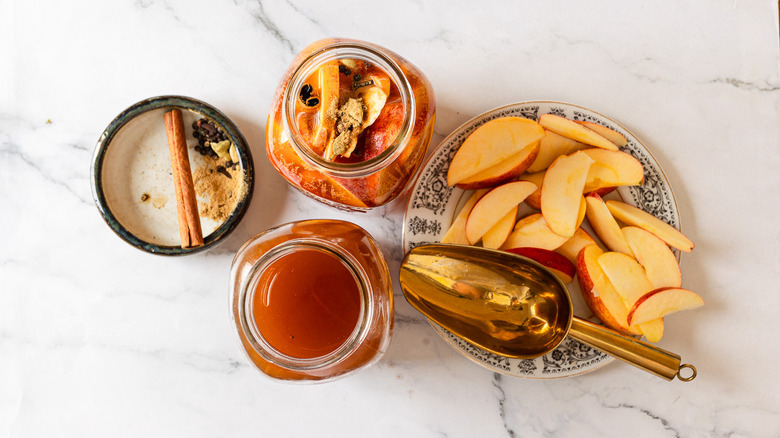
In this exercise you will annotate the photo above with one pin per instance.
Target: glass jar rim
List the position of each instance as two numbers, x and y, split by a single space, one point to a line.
348 50
266 350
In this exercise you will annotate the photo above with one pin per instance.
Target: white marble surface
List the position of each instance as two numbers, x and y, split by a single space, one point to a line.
99 339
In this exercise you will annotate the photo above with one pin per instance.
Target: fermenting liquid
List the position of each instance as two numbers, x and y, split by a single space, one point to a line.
307 304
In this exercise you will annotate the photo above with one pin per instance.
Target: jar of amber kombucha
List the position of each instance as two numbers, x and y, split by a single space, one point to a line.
312 300
350 123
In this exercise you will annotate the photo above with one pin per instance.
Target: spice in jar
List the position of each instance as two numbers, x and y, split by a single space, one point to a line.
350 123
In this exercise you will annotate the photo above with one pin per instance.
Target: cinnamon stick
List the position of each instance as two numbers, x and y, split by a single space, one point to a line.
186 204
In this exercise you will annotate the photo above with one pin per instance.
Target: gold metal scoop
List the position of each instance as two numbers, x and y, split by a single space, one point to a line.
512 306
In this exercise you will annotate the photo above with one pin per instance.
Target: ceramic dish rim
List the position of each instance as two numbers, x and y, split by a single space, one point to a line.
434 153
170 101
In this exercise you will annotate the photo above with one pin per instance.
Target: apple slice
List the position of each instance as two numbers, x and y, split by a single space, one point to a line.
292 166
605 225
609 134
599 294
551 147
492 143
626 274
574 131
562 192
652 253
630 282
328 84
534 200
457 231
633 216
572 247
661 302
562 267
612 169
532 231
653 330
503 171
494 206
497 234
581 213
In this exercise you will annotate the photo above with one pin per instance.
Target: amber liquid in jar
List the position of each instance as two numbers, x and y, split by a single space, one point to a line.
350 123
306 304
312 300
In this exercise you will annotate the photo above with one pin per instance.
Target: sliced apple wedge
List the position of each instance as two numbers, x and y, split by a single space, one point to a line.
503 171
534 200
328 86
562 267
562 192
492 143
605 225
495 205
626 274
630 281
612 169
653 330
633 216
652 253
457 231
574 131
609 134
599 294
581 213
552 146
572 247
661 302
532 231
497 234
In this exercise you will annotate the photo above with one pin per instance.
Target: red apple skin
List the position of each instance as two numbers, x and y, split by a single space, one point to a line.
383 132
558 264
649 295
602 191
594 302
504 177
377 138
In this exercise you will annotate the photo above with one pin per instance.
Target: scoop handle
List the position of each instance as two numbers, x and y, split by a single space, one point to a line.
648 357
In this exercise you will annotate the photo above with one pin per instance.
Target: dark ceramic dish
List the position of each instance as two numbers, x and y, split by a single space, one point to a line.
100 178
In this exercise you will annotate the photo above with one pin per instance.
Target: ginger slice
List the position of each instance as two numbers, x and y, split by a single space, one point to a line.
374 97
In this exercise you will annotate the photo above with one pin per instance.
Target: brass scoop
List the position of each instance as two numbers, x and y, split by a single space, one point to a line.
512 306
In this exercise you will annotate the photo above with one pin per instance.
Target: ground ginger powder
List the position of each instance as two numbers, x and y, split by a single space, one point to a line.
218 193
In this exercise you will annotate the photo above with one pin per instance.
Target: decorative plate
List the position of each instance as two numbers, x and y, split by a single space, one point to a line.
433 205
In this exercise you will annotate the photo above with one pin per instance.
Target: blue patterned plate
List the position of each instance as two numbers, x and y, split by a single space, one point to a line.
433 205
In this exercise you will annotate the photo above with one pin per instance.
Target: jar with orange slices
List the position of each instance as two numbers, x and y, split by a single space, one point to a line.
350 123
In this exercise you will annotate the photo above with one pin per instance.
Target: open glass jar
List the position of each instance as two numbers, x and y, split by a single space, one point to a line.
312 300
350 123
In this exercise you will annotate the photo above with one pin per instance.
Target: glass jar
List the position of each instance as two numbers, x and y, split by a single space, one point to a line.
312 300
314 141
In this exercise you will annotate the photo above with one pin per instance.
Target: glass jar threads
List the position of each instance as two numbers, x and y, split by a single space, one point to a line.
350 123
312 300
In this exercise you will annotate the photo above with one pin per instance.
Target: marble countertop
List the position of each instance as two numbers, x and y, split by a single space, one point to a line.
100 339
